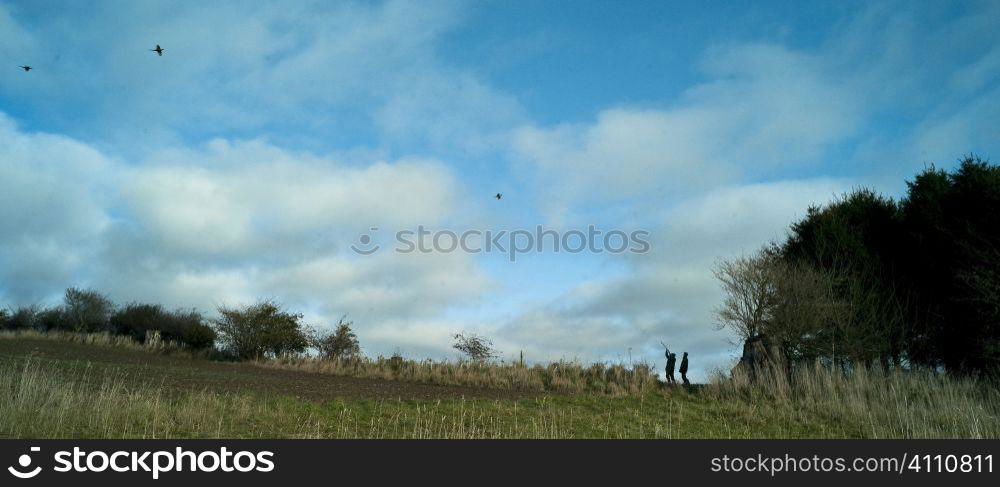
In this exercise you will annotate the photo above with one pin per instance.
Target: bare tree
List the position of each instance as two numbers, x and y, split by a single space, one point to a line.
751 293
86 310
807 318
809 312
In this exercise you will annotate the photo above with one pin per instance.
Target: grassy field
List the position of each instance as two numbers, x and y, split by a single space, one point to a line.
89 388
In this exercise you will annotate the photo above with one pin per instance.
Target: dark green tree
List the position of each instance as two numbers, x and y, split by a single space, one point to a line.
855 240
919 279
952 221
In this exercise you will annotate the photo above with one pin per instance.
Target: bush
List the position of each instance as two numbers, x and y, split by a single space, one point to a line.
190 329
90 312
341 344
6 321
476 348
260 330
136 319
22 318
187 328
52 319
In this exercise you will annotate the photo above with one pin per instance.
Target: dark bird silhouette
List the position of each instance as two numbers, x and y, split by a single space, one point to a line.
26 68
159 50
498 196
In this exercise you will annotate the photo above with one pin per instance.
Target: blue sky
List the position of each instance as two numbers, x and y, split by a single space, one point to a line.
245 161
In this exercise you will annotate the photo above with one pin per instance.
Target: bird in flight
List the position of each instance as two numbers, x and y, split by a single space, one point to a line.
499 195
159 50
26 68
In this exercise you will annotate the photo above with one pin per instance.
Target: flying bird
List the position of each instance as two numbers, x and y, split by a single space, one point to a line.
159 50
26 68
498 196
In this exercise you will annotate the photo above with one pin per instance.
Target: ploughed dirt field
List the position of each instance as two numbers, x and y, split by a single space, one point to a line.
179 372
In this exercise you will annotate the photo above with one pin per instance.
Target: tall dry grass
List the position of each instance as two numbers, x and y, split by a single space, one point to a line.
153 342
37 401
563 376
872 401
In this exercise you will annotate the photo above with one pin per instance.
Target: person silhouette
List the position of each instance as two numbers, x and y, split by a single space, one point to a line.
671 361
684 369
666 354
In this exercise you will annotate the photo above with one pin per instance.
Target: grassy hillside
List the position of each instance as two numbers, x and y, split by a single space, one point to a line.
58 388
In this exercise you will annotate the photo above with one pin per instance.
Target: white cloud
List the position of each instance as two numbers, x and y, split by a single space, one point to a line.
239 198
229 222
53 205
765 108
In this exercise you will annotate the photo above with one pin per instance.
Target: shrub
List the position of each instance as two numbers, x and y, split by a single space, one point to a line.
341 344
260 330
52 319
476 348
22 318
136 319
190 329
4 317
187 328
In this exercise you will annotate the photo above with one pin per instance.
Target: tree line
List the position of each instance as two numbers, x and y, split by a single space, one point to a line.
251 332
260 330
902 283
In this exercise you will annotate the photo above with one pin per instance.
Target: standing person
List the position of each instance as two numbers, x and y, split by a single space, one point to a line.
684 369
671 361
667 374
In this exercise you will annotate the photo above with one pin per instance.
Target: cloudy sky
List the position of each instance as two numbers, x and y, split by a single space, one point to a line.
247 160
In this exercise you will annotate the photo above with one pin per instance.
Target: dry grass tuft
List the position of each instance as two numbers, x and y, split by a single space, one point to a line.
880 403
153 344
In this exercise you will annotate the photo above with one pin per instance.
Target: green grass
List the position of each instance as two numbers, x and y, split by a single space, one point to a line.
49 392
